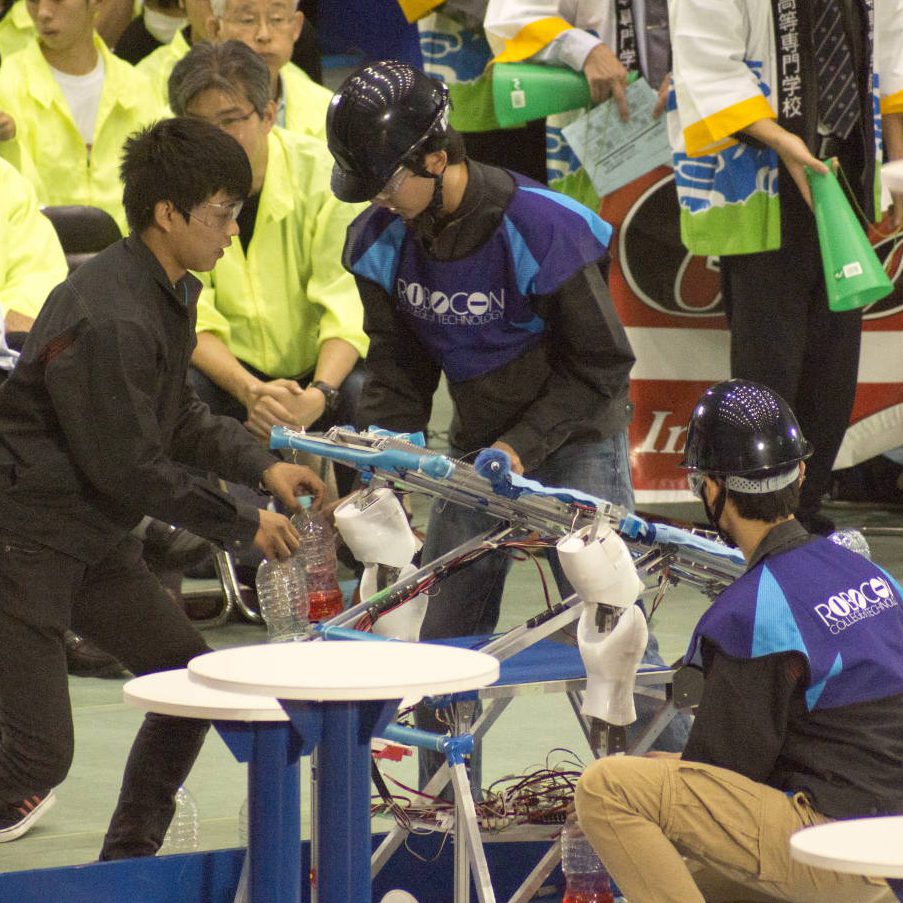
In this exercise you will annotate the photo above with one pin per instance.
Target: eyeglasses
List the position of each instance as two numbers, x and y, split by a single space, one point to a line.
217 216
227 122
252 22
396 180
695 480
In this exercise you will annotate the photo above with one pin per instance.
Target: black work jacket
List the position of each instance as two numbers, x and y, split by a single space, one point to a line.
98 426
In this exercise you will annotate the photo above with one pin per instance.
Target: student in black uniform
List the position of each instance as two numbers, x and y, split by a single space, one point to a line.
98 427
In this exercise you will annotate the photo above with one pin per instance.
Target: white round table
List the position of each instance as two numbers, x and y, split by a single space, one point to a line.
257 731
176 693
858 846
338 695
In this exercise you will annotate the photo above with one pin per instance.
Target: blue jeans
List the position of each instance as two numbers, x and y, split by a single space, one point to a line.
468 602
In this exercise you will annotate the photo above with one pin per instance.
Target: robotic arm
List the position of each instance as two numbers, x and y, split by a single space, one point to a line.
611 633
376 529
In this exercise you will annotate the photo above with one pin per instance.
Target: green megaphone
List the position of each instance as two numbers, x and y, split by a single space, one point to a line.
854 277
525 91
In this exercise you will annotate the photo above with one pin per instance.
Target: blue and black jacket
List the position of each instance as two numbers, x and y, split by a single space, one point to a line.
508 300
803 657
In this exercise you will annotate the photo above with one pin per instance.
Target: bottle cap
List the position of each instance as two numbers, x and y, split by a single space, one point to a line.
305 501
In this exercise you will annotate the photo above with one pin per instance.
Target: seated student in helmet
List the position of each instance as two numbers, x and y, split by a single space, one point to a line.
494 280
801 719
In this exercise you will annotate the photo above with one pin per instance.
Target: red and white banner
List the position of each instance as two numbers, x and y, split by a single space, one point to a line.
670 304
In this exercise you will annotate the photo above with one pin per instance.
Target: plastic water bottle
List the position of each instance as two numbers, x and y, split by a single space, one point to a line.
586 880
324 595
852 540
184 831
282 595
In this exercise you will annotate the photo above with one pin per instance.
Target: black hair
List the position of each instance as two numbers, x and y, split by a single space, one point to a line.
184 161
449 141
767 506
231 67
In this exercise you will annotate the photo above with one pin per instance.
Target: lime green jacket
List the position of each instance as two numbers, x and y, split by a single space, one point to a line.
48 148
274 307
306 102
31 258
158 65
16 30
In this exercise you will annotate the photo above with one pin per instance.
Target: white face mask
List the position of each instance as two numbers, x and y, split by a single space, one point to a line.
161 26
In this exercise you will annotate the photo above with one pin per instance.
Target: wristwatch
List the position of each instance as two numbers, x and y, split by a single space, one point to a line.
330 393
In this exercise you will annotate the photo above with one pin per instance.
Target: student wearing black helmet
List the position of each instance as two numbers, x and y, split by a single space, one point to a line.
494 280
801 718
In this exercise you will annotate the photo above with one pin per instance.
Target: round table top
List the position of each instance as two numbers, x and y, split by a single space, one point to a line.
345 670
858 846
892 175
176 693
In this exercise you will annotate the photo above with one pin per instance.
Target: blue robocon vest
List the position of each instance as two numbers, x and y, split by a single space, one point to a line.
835 607
473 315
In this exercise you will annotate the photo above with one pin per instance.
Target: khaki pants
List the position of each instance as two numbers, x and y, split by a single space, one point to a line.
645 815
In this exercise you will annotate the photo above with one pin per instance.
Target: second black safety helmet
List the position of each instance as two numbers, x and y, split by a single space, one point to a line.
377 121
740 427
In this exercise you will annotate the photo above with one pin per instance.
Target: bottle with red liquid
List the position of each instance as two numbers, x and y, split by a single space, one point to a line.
586 880
324 595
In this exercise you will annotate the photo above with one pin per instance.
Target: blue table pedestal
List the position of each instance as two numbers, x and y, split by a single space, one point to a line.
342 731
272 751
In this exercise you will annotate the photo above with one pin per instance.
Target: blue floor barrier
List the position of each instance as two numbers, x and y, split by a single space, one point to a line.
212 877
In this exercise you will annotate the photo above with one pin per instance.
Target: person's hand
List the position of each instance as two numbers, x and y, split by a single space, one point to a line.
286 481
516 464
895 214
796 157
306 407
275 537
660 754
607 77
662 100
268 405
16 322
7 127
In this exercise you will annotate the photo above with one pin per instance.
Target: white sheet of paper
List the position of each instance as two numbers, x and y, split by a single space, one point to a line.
613 152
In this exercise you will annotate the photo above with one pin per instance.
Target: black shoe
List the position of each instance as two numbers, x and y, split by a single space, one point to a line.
83 659
18 818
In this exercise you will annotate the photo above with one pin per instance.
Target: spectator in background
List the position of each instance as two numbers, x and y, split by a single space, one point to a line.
158 65
158 24
31 258
70 104
280 322
755 108
17 28
271 28
604 40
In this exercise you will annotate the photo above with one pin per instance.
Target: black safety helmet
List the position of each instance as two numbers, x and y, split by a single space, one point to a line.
377 120
742 427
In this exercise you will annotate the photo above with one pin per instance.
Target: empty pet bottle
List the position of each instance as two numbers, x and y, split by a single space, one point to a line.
282 595
183 835
586 880
324 595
